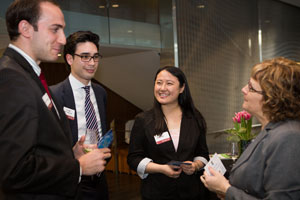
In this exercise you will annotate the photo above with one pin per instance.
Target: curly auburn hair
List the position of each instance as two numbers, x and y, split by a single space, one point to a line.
279 79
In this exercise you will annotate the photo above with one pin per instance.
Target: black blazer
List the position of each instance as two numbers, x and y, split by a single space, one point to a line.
63 92
37 160
192 143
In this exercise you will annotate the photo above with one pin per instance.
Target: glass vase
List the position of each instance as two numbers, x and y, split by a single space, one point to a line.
243 144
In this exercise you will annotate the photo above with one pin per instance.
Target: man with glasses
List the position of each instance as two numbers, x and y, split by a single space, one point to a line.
81 54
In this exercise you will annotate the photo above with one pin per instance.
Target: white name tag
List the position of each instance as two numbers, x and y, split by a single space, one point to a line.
165 137
47 101
70 113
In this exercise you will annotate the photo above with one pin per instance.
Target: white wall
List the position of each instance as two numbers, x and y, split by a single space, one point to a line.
131 76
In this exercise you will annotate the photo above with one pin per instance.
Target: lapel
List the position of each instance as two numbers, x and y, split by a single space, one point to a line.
171 145
68 101
100 105
166 147
250 149
185 124
22 62
186 131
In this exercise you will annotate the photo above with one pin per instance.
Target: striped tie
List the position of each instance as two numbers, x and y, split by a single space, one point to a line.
90 115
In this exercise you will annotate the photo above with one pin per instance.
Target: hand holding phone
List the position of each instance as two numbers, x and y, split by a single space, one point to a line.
177 163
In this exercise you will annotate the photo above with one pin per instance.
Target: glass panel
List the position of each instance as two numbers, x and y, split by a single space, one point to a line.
135 10
126 22
127 32
4 39
86 15
135 23
280 28
76 21
218 43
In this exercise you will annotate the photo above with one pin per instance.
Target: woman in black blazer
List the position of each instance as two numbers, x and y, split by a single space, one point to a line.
168 143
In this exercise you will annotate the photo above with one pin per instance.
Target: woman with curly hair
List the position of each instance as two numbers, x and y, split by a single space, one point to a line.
269 167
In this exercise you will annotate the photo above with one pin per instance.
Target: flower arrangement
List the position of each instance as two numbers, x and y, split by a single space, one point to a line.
242 127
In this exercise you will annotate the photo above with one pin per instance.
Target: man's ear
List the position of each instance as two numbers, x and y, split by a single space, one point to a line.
25 28
69 59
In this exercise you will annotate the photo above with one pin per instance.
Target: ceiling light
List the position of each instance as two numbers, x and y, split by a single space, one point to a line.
201 6
115 5
101 6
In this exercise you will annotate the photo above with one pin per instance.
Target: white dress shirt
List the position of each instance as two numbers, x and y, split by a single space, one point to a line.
79 98
34 65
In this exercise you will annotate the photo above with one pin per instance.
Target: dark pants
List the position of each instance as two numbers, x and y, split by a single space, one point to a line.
94 188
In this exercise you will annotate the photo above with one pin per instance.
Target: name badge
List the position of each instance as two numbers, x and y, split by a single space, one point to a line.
47 101
165 137
70 113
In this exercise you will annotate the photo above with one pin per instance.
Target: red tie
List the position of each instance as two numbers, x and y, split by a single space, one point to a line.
44 82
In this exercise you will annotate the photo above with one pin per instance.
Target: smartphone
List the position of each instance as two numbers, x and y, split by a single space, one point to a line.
186 163
177 163
174 163
106 140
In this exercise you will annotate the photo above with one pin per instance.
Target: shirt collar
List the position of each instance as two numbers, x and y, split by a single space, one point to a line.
76 84
34 65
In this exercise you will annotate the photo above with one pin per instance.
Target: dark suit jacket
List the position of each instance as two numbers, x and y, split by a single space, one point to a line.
37 160
269 167
192 143
63 92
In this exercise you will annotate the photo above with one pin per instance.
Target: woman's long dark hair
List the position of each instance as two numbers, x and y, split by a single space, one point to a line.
185 101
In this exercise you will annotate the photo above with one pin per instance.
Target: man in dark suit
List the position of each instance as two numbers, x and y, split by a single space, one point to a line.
81 54
37 160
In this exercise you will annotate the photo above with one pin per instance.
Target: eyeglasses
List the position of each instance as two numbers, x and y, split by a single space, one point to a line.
87 58
251 89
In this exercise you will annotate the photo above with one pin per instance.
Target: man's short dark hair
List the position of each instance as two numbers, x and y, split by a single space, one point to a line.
19 10
79 37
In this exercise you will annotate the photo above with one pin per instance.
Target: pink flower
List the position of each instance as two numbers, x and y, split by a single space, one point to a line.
233 119
238 116
246 115
242 126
